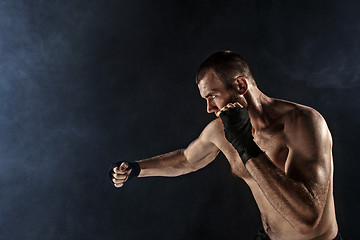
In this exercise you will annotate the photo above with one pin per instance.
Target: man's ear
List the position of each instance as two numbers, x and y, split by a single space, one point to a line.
241 85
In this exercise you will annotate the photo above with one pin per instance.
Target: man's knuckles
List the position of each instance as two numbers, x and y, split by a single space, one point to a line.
117 181
223 109
120 176
120 170
233 105
227 107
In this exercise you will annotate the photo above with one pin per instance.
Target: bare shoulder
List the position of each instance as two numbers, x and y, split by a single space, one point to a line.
307 135
213 131
305 119
296 116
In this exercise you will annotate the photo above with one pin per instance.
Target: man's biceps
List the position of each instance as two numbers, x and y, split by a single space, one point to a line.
198 150
314 170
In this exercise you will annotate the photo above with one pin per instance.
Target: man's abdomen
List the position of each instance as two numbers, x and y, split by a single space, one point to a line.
278 228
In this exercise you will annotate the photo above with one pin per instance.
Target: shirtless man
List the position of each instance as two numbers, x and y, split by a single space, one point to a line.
284 154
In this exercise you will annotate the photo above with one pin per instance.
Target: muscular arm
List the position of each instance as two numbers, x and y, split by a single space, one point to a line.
299 193
196 156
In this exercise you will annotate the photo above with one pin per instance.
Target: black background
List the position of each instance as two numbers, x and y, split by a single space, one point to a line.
87 83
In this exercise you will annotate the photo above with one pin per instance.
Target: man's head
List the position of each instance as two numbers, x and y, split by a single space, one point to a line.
227 65
223 78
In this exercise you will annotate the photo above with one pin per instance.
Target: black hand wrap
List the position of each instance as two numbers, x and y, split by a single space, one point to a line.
134 166
238 131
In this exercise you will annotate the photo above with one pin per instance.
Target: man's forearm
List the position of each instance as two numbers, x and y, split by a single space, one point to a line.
168 165
289 197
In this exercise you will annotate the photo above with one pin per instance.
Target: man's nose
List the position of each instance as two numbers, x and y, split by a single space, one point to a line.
211 107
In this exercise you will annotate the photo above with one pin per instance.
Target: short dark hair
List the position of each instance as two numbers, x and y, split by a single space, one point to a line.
226 65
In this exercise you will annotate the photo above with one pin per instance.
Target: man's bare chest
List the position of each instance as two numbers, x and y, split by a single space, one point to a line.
272 141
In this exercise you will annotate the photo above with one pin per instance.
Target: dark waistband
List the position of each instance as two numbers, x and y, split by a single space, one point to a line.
261 235
338 236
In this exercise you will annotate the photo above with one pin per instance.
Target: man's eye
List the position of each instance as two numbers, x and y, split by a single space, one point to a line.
212 96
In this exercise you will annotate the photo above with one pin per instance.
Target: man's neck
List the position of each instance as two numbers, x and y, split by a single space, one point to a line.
257 106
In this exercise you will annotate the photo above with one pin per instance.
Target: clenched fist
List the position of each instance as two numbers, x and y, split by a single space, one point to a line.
121 172
238 130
